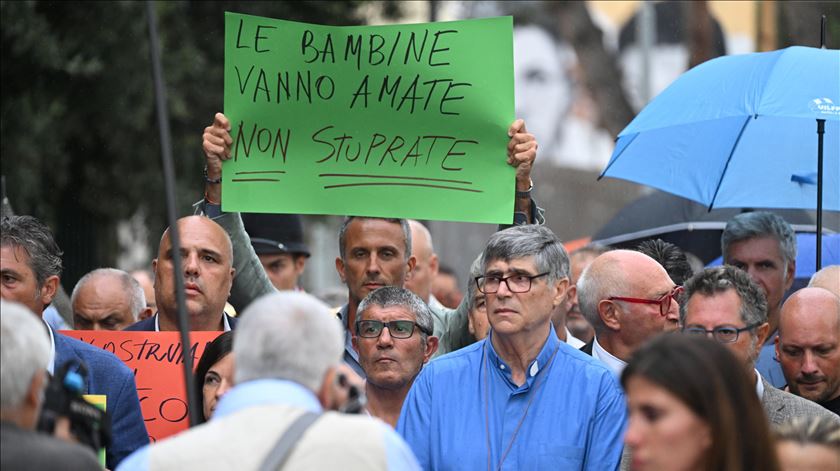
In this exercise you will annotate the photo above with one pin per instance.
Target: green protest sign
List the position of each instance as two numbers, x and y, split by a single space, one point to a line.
390 121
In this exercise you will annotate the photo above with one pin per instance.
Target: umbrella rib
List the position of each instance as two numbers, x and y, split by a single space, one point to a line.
729 159
617 156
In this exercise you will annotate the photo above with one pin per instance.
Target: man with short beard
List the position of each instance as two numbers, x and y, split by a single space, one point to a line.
723 303
808 346
394 340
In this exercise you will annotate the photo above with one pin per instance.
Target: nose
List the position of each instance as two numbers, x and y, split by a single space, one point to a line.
633 436
809 364
673 313
385 340
373 264
223 388
190 264
503 291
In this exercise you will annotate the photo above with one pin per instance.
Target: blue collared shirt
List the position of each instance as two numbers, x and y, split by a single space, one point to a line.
768 365
275 391
575 421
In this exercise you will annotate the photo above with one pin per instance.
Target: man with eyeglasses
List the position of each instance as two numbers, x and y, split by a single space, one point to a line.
726 305
394 340
628 298
520 398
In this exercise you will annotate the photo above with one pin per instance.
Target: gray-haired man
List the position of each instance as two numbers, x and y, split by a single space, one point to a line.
569 408
764 245
394 340
724 304
24 350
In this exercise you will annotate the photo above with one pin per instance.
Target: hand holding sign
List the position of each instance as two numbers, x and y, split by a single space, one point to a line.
216 141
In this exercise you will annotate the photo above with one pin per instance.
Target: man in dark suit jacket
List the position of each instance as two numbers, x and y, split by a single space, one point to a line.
207 264
23 352
31 266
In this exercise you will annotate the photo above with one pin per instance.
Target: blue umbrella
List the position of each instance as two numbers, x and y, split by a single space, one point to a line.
741 131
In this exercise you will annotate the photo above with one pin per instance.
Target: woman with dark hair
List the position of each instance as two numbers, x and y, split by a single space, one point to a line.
693 408
214 373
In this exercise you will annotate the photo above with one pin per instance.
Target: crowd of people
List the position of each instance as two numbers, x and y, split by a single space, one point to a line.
596 359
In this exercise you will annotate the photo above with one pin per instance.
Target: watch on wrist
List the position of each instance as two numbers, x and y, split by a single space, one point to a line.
217 180
525 194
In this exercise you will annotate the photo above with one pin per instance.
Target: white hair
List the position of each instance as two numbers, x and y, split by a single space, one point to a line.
287 335
131 287
24 352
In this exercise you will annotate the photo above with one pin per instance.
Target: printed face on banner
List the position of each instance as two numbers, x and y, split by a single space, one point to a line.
389 121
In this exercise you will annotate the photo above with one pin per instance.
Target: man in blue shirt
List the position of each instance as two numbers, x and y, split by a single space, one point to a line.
521 398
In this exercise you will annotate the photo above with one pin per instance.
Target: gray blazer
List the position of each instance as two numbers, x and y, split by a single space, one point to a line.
781 406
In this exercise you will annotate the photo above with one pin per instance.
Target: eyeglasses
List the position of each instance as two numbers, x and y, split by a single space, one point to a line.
517 283
663 301
397 329
723 333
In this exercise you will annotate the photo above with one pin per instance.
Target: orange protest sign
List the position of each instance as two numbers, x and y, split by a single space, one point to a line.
158 364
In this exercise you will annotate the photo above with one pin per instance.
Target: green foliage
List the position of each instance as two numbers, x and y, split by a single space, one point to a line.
78 131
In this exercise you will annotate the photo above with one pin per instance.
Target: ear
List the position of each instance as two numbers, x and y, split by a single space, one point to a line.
431 347
561 286
434 265
778 347
609 312
34 394
790 274
300 264
145 314
48 290
355 341
762 331
339 268
571 298
412 262
325 392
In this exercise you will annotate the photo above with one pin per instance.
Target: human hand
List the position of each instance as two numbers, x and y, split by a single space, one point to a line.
522 152
216 142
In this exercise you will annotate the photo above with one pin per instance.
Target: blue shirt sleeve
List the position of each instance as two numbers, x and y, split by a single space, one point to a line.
415 418
603 450
397 454
137 461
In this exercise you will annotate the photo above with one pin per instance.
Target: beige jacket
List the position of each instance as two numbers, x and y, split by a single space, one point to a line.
242 440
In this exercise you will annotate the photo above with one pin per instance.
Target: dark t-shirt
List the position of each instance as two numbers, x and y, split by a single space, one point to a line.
832 405
26 449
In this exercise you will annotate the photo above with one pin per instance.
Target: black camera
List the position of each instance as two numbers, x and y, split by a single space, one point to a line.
90 425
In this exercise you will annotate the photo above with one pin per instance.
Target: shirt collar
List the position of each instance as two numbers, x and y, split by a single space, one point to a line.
573 341
615 364
224 320
262 392
547 351
51 361
759 385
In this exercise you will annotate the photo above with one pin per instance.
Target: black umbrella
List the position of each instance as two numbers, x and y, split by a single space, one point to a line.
689 225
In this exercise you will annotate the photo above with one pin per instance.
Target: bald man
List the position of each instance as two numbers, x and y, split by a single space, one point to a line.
107 299
628 298
426 268
207 265
827 278
808 346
